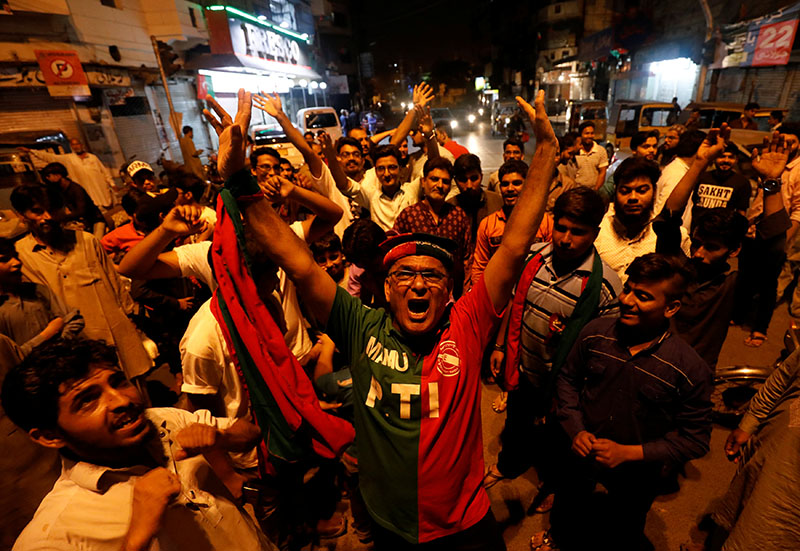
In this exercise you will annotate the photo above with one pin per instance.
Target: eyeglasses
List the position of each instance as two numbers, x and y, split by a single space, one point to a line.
267 168
390 168
404 277
471 178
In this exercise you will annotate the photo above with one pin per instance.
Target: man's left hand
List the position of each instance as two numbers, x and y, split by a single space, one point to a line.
542 129
771 160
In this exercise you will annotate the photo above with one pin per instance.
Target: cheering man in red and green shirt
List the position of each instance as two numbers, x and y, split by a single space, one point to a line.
415 367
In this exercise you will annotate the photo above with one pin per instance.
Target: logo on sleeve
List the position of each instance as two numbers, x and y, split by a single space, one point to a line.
448 363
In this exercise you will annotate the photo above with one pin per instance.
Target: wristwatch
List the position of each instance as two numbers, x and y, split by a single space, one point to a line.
770 186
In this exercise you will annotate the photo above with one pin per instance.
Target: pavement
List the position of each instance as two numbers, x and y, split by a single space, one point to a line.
673 518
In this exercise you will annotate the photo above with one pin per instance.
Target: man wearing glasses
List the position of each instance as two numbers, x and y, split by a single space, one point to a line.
415 365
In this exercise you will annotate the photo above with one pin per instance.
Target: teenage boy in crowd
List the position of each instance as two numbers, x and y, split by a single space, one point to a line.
513 150
416 389
634 399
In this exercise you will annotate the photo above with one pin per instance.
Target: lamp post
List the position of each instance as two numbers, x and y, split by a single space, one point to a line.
314 85
303 83
323 86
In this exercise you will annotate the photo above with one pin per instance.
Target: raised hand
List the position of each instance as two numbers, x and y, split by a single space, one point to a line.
772 159
422 94
326 142
271 105
425 119
184 220
232 152
277 189
714 144
536 113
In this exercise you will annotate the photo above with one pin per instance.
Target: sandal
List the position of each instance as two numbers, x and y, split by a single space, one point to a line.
500 403
755 340
541 541
492 477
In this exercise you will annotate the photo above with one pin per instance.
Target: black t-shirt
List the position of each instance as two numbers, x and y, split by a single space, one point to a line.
718 189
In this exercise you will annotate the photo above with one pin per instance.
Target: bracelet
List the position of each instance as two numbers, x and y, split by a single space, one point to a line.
500 347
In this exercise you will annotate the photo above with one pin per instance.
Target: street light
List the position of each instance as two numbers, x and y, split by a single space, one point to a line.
324 86
303 83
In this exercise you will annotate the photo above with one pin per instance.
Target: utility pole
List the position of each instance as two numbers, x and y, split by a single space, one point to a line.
175 119
701 83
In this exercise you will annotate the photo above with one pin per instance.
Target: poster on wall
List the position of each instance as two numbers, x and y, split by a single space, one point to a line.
759 42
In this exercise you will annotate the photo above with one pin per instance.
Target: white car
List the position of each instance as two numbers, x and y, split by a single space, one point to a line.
315 119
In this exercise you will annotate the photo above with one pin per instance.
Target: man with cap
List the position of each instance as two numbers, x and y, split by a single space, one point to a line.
143 178
415 366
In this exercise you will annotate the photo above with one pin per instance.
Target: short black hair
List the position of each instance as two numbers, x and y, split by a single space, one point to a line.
722 225
385 151
792 128
55 168
751 105
466 164
329 242
189 183
307 133
285 161
442 127
361 241
635 167
584 125
259 151
347 140
567 140
186 129
509 167
7 248
581 204
514 142
439 162
32 389
656 267
776 114
642 136
688 143
26 196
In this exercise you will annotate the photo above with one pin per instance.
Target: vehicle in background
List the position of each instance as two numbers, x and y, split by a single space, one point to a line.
630 117
52 141
579 111
315 119
502 113
378 121
272 135
713 114
442 116
467 118
16 168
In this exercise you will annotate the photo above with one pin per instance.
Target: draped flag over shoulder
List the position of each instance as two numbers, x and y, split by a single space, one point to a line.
281 395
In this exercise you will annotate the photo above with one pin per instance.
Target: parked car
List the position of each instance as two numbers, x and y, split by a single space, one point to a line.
629 117
713 114
16 168
320 118
272 135
467 118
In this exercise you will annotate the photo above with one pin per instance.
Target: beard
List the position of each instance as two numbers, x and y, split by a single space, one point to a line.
470 199
633 220
54 235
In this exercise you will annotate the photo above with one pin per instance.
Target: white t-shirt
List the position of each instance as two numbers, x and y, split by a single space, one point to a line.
193 262
208 369
670 177
383 209
326 185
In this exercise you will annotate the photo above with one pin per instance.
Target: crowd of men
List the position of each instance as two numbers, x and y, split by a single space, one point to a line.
226 367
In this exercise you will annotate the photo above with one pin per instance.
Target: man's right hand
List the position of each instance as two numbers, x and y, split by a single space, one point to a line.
714 144
152 494
232 133
583 442
496 362
422 94
184 220
736 439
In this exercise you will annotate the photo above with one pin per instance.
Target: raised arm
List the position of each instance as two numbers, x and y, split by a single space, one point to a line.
711 148
326 213
376 139
339 177
502 271
422 96
147 259
770 163
277 239
271 105
428 131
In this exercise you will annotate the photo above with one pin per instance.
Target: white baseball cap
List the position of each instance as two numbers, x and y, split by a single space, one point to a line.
136 166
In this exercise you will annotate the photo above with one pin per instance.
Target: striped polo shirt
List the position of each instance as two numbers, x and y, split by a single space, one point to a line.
549 305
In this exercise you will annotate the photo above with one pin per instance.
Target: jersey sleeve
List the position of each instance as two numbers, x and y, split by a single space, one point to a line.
348 323
475 313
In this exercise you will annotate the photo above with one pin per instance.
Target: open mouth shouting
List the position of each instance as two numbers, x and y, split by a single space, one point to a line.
418 308
130 423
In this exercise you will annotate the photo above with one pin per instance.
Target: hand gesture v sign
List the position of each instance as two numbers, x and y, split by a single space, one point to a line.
536 113
771 160
232 133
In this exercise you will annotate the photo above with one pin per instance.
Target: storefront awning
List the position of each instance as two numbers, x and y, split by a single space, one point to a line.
249 64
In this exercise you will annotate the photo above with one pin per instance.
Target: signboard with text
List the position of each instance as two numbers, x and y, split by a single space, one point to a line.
63 73
760 42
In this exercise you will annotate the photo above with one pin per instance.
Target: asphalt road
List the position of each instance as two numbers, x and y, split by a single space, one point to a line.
673 518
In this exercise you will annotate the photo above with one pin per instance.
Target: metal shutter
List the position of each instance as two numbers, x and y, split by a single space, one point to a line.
35 109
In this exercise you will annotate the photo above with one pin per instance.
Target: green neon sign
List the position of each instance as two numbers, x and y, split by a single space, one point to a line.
271 26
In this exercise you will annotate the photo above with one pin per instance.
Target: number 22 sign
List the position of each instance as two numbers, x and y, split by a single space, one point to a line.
774 43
